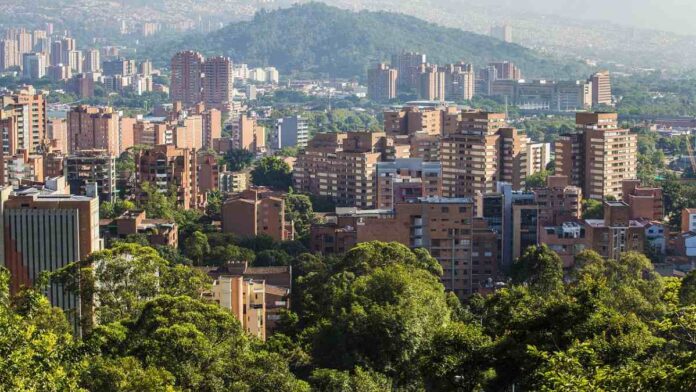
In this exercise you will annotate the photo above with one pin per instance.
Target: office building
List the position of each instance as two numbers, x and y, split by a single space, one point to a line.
34 66
88 171
46 232
381 83
120 67
93 128
598 156
257 211
291 132
601 88
506 70
168 168
186 80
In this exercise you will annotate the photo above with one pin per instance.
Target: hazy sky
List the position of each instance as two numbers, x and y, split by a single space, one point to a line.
671 15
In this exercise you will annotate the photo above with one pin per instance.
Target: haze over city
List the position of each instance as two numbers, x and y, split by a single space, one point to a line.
347 195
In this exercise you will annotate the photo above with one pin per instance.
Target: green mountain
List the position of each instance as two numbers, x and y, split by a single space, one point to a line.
317 39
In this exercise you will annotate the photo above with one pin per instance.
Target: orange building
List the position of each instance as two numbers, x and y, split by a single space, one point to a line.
645 202
169 168
257 211
28 124
209 171
93 128
598 156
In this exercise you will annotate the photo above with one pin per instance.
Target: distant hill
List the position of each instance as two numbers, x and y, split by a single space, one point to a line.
317 39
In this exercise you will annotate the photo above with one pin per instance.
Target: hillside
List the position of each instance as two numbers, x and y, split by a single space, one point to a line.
318 39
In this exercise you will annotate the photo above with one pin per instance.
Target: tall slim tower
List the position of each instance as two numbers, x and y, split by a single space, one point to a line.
186 80
218 82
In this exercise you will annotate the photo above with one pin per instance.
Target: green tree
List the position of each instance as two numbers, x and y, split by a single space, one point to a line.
687 292
592 209
536 180
541 268
38 352
272 172
157 204
196 246
201 345
299 210
457 359
238 159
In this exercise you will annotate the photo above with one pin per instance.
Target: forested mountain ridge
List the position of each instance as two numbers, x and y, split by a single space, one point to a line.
318 39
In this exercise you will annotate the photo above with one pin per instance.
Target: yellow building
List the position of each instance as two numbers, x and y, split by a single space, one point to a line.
246 299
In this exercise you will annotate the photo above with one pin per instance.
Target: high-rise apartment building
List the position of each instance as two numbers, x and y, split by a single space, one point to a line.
538 157
341 166
291 132
217 82
186 81
431 83
459 81
87 169
75 61
248 134
168 168
9 55
92 61
513 157
381 83
601 88
598 156
470 156
93 128
407 65
212 126
24 117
